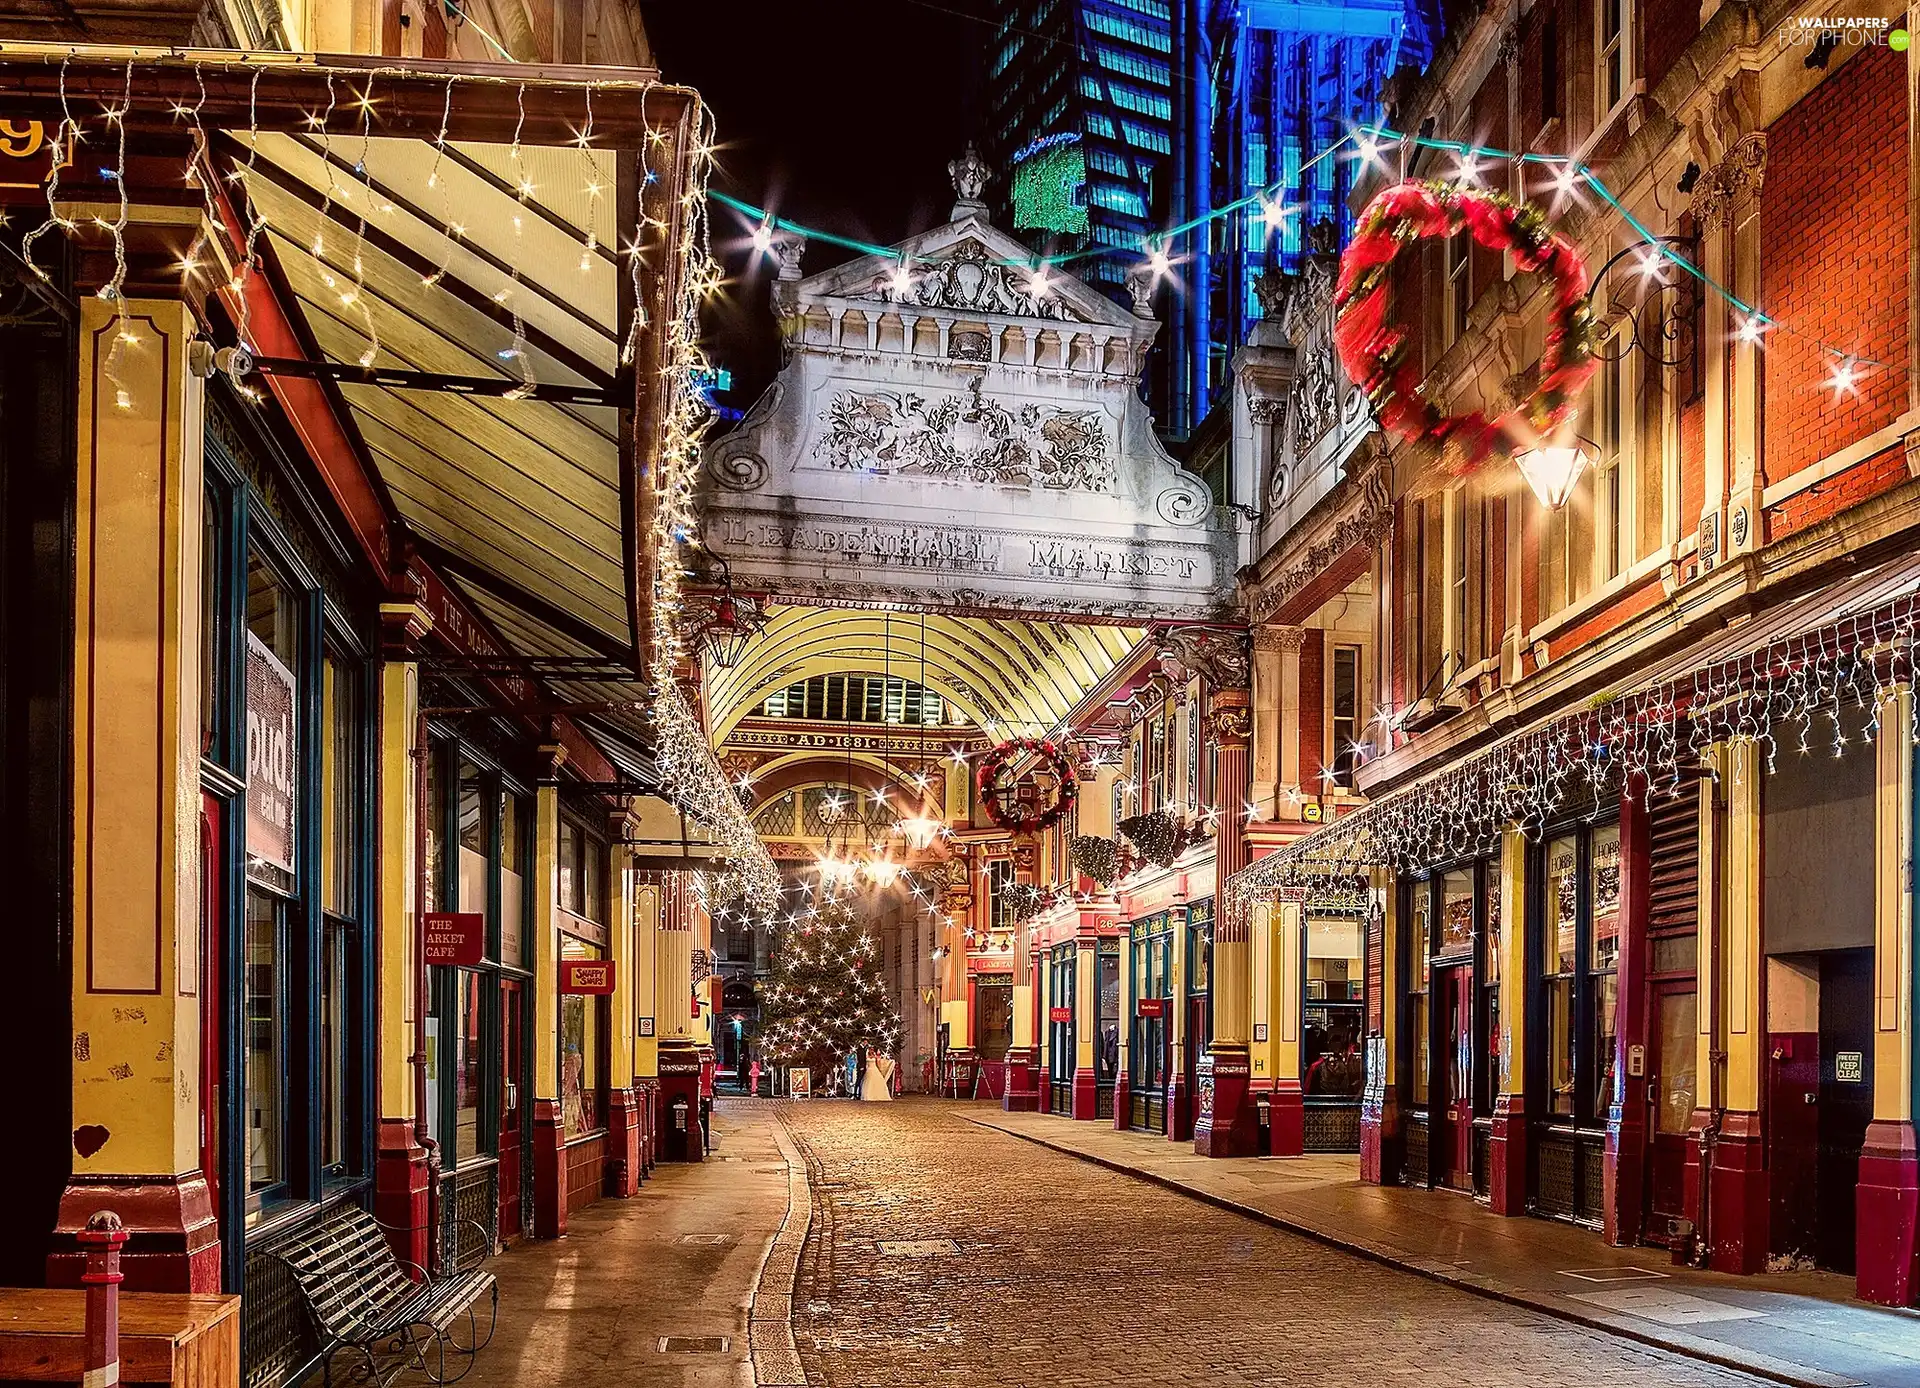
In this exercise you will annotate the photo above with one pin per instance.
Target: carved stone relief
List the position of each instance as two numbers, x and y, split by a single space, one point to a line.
967 438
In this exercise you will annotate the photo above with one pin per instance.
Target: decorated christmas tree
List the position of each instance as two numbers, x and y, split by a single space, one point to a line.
825 1000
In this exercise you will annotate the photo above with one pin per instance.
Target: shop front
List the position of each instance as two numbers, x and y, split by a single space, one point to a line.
1332 1060
1061 1033
1150 1024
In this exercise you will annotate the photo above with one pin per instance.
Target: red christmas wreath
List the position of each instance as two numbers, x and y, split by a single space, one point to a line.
1003 808
1373 347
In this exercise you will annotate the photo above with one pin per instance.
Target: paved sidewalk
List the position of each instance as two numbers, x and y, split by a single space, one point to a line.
1802 1328
681 1259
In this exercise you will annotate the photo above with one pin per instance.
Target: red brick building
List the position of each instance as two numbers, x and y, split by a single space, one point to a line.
1675 1006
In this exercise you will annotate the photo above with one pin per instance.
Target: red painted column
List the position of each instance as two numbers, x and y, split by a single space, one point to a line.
102 1239
1887 1216
549 1170
623 1166
1624 1166
401 1180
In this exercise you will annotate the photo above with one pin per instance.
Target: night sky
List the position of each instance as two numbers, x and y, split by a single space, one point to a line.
840 114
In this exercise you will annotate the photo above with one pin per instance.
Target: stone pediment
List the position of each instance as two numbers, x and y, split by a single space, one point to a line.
941 435
968 267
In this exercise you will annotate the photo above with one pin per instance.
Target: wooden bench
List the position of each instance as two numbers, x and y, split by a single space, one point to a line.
361 1298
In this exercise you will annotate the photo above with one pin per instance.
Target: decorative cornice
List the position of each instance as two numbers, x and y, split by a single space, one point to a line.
1733 182
1279 638
1366 521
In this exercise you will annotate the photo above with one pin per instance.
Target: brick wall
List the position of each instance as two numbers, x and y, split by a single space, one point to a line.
1861 482
1666 28
1834 252
1313 692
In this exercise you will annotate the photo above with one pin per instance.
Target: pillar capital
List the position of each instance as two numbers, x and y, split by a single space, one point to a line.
403 626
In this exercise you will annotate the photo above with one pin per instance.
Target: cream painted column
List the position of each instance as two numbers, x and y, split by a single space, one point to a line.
1266 720
647 906
545 951
401 1170
1086 1027
1179 1100
625 1160
136 888
1887 1198
1507 1137
1732 1040
1893 969
1741 173
1285 984
1743 964
1262 965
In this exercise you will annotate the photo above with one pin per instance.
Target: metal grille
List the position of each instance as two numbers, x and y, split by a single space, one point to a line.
1482 1160
1419 1164
470 1223
1591 1201
276 1335
1103 1102
1332 1127
1553 1190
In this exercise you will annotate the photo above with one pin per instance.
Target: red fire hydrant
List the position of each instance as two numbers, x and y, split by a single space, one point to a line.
102 1239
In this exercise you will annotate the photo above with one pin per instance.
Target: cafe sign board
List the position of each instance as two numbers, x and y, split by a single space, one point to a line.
586 976
456 937
272 749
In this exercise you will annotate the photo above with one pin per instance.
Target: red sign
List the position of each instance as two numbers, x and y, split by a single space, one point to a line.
456 937
1060 1014
586 975
1151 1007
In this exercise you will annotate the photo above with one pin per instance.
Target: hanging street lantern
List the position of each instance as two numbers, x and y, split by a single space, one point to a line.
726 635
1553 471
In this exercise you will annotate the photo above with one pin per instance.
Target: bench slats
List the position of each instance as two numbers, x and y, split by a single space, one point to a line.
357 1289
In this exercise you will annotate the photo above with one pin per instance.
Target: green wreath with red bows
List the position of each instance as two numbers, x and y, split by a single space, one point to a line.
1374 348
997 794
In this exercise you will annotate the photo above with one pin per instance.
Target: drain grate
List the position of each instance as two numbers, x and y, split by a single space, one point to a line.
694 1344
706 1238
916 1248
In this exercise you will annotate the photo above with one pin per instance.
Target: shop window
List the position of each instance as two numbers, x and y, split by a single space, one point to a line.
583 873
1330 1061
473 830
580 1073
1560 954
468 1066
515 817
1579 953
265 1050
1490 985
1106 986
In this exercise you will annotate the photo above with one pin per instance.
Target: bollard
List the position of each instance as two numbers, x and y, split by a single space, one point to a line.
102 1239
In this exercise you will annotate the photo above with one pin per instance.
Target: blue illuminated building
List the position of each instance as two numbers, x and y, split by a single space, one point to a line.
1182 106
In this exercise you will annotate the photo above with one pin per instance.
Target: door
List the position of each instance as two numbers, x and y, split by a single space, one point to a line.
1453 1084
511 1055
1671 1094
1846 1096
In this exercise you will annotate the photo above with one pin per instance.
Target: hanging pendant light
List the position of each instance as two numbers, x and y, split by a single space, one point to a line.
1553 470
726 636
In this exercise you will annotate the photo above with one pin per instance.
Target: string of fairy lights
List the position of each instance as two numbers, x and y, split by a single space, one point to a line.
1567 178
686 770
1822 691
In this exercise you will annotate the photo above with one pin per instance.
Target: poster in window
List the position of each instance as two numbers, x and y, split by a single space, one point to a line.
272 749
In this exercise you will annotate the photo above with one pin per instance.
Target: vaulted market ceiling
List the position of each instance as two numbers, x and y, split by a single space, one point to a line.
1017 676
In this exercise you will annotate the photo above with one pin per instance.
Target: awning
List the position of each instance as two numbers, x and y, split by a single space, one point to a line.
475 280
1801 659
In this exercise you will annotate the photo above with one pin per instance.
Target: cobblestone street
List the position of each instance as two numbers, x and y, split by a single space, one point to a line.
1060 1273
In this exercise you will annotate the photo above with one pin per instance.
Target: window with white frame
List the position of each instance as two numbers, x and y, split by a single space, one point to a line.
1611 49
